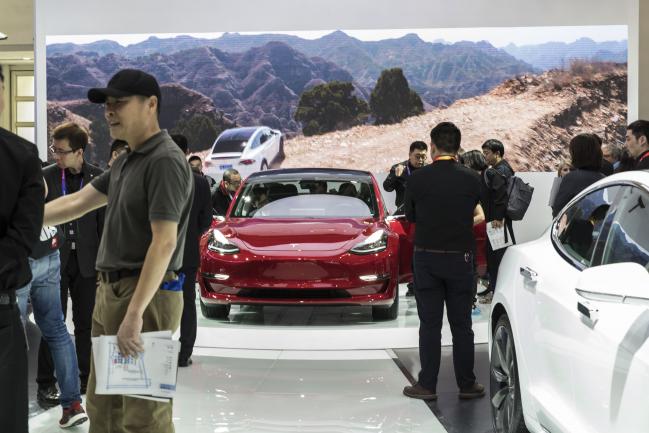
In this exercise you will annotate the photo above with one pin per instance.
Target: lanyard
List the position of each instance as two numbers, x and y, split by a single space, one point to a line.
645 155
408 169
444 158
64 186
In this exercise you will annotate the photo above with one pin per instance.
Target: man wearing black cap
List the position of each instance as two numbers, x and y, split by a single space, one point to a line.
443 261
149 194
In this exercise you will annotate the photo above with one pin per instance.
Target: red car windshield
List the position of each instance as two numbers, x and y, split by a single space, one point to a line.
306 199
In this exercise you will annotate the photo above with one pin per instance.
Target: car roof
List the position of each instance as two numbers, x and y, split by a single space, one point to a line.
319 173
239 133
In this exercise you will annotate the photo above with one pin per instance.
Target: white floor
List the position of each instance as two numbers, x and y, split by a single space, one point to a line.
298 369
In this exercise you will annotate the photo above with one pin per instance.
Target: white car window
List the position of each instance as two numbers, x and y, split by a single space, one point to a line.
578 229
628 237
257 141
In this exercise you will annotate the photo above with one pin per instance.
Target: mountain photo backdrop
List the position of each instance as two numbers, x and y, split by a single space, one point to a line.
357 99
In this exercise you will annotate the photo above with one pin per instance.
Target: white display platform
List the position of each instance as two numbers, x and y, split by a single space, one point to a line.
321 328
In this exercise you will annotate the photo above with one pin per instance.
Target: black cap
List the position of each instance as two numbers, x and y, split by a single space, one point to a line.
126 82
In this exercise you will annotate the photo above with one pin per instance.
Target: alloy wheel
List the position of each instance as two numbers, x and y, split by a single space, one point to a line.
503 380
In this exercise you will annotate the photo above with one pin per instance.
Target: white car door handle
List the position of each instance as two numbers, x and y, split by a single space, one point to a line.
529 273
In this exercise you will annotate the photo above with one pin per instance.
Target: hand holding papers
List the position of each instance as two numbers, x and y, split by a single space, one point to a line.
497 237
152 373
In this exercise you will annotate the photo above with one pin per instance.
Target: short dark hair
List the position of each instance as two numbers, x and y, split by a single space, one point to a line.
418 145
118 145
195 158
639 128
586 151
181 141
494 146
446 137
474 159
228 173
76 135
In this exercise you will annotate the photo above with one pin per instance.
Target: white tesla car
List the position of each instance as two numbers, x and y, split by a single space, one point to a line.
570 318
247 150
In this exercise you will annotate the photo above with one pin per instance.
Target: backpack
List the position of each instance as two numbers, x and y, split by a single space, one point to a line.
519 196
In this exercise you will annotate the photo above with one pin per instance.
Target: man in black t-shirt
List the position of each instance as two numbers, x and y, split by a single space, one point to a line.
441 199
637 143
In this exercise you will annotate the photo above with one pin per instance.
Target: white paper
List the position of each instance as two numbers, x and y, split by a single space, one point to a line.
497 237
151 374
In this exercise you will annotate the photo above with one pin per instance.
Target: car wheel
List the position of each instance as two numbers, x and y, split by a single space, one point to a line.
505 391
264 166
216 311
389 313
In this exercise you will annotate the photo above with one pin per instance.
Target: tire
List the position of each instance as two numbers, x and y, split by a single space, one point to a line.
504 389
216 311
389 313
264 166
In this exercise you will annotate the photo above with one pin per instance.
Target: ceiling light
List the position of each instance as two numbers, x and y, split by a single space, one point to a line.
3 36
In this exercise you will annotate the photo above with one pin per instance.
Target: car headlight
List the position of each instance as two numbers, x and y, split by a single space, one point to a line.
219 243
377 241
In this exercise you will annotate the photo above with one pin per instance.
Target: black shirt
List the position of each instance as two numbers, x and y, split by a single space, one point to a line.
21 214
221 201
200 218
572 184
440 199
643 161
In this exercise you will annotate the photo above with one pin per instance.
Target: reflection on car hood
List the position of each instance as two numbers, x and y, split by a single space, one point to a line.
263 235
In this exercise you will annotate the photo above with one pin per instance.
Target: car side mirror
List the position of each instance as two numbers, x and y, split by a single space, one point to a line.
624 283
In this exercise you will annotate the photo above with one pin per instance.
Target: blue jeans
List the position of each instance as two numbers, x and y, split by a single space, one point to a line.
45 293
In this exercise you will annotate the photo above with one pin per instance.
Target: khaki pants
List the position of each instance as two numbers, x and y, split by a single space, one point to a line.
121 414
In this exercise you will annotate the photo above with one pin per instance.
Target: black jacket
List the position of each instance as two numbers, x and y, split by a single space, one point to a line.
643 161
440 199
21 211
572 184
90 226
398 183
200 219
221 201
495 179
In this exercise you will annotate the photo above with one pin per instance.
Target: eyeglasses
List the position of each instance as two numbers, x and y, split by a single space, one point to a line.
56 151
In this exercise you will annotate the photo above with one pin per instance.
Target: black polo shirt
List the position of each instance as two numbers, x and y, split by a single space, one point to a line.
440 199
151 183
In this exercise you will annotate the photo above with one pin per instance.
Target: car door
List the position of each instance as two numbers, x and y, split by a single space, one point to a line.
255 152
406 231
611 360
549 271
266 145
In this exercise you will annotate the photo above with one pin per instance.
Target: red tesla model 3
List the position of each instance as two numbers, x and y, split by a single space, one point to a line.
307 237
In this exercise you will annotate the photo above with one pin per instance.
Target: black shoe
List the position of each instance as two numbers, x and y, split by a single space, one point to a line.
474 391
48 396
411 290
185 362
419 392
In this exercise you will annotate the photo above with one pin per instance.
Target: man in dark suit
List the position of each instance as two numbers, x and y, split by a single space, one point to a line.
224 193
21 220
637 143
200 218
78 254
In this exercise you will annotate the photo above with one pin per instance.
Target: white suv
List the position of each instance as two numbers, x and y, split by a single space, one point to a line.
247 150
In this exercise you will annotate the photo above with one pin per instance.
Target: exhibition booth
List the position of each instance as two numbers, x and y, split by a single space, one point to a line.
532 75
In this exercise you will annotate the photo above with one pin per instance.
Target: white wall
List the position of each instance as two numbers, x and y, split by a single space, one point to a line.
70 17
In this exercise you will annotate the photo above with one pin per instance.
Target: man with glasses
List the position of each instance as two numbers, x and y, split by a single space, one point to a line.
398 176
224 194
78 253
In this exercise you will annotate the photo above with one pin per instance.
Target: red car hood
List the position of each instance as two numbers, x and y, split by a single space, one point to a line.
263 235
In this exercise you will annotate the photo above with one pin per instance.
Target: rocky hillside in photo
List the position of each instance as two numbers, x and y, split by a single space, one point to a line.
259 86
535 116
440 73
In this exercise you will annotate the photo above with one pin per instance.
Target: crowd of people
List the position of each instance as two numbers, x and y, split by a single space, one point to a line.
63 229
